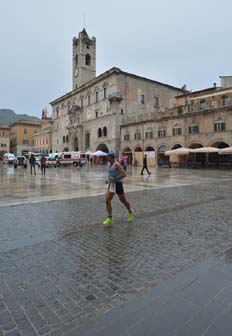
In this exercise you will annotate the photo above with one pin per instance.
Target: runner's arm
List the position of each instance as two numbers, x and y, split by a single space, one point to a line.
119 168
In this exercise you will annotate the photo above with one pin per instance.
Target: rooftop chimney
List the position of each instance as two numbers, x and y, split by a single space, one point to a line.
226 81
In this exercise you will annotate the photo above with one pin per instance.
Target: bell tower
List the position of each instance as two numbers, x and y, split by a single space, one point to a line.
84 59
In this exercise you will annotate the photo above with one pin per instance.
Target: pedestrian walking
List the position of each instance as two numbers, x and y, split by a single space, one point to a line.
123 161
32 163
43 164
145 165
116 175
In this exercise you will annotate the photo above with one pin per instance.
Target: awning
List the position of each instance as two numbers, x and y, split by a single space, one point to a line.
227 150
178 151
205 150
99 153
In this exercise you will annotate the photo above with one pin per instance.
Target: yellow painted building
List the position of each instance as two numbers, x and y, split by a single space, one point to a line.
22 137
43 139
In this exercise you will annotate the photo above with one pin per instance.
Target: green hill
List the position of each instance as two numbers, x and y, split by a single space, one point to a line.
8 117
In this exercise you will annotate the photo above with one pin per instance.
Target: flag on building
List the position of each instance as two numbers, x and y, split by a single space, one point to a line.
45 113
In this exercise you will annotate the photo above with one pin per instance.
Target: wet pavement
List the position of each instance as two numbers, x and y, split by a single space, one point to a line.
62 273
18 186
196 302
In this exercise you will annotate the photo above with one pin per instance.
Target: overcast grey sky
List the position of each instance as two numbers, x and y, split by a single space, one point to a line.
173 41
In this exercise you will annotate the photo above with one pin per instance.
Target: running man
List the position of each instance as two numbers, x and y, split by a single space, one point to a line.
116 174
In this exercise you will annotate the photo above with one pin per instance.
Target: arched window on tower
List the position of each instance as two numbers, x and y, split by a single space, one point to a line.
99 133
67 138
105 131
76 59
64 139
87 59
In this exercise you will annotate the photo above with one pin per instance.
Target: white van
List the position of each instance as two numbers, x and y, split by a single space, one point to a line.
52 160
71 158
9 158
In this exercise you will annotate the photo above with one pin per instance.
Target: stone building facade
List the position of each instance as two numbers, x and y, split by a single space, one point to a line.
90 116
43 139
4 139
199 119
84 59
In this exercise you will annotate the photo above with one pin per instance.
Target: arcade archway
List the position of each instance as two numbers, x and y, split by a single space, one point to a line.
138 156
128 152
150 152
195 145
138 149
215 158
102 147
176 146
161 158
220 144
149 149
196 157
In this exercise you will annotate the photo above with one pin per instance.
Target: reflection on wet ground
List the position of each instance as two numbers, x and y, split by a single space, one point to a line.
18 186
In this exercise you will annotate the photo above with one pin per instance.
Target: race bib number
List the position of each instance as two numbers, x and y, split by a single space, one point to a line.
112 187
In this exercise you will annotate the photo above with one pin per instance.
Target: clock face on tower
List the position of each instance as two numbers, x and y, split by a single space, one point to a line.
76 72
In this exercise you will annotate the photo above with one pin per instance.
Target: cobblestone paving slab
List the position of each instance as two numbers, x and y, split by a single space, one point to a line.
67 269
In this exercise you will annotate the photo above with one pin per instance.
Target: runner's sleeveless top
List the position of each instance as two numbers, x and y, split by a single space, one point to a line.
114 173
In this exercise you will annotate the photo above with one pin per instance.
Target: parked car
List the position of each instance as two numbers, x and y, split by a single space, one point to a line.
1 155
9 158
20 161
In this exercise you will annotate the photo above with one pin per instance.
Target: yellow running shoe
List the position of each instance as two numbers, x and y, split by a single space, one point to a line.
131 216
107 221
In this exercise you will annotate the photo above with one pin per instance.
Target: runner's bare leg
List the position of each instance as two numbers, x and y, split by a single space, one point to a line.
109 197
124 201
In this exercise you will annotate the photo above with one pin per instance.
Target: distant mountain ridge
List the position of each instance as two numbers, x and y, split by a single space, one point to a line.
8 117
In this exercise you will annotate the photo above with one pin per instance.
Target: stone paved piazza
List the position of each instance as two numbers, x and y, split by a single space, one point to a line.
61 270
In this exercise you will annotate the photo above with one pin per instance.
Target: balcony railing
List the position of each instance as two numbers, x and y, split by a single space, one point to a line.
74 108
199 107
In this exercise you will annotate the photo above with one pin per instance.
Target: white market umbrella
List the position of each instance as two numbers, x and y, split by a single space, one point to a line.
88 152
178 151
227 150
99 153
205 150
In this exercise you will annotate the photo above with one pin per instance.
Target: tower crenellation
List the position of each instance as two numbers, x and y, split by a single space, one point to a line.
84 59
